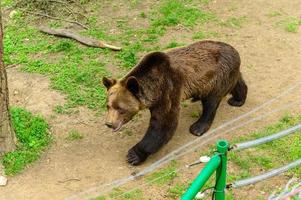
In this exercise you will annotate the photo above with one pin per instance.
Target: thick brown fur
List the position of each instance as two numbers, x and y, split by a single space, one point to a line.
205 71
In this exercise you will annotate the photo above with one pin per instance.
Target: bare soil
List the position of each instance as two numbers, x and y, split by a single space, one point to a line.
271 61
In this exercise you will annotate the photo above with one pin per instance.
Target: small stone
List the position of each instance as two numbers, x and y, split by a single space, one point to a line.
204 159
3 181
199 195
16 92
13 13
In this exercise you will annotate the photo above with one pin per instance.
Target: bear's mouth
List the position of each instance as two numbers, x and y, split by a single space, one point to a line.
118 127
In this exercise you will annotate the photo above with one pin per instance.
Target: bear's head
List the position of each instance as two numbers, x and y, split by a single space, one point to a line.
122 101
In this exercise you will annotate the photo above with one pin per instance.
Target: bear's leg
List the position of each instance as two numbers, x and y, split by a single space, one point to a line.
202 125
239 94
161 129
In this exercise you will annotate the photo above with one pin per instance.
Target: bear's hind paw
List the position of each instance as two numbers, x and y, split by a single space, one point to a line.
233 102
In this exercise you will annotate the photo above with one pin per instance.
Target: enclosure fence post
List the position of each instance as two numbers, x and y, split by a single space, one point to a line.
202 178
221 172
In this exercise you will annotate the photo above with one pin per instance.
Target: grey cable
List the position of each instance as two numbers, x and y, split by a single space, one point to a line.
209 137
266 175
266 139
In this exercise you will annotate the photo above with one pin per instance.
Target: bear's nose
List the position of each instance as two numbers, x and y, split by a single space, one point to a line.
110 125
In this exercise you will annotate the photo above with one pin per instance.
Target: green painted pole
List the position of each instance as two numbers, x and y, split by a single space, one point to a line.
202 178
221 172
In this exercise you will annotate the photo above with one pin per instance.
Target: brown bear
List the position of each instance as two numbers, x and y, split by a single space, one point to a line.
205 71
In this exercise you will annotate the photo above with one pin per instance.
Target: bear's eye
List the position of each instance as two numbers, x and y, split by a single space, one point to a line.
121 110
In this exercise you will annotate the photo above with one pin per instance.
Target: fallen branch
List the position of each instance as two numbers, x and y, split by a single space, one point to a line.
86 41
56 18
70 179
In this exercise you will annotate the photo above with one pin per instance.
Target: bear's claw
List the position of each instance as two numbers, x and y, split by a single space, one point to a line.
135 157
199 128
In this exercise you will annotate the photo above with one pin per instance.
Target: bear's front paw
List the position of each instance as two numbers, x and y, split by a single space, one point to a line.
136 156
199 128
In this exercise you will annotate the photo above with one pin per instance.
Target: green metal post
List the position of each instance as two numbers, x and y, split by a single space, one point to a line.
221 173
202 178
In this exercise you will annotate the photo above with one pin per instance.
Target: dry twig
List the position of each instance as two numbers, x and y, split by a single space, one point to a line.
86 41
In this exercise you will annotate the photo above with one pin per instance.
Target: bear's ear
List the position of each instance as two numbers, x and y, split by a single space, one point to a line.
132 85
108 82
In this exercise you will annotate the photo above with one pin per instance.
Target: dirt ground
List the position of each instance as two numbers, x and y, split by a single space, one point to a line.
271 61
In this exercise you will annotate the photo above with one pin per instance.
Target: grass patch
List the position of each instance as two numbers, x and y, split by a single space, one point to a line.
205 1
173 44
175 12
166 14
76 70
204 35
234 22
195 114
99 198
272 154
290 24
33 137
165 175
274 14
74 135
176 191
64 109
119 194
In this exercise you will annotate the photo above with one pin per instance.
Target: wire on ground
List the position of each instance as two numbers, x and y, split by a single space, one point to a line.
261 177
266 139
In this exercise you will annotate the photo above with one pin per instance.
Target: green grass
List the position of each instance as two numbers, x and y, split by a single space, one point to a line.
165 175
119 194
76 70
74 135
204 35
274 14
205 1
176 12
272 154
290 24
33 137
234 22
99 198
176 191
195 114
173 44
166 14
64 109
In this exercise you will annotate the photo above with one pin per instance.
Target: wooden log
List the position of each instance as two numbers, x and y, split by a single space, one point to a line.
84 40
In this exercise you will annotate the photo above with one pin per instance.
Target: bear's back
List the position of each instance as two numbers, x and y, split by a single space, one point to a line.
203 65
